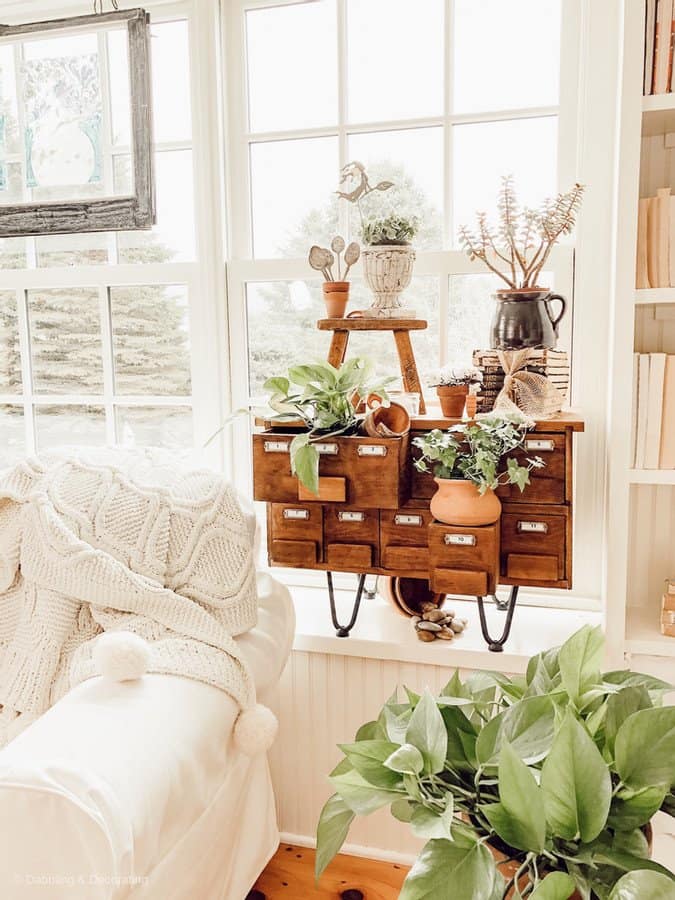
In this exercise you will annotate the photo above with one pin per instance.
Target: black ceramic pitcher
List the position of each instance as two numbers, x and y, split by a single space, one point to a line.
525 319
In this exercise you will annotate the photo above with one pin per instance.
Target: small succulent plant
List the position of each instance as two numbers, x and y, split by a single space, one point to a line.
390 230
455 375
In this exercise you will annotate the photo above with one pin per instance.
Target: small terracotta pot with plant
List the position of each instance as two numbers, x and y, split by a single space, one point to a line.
538 786
452 385
469 461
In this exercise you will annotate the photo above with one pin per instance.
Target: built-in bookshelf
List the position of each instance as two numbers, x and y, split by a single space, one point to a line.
641 537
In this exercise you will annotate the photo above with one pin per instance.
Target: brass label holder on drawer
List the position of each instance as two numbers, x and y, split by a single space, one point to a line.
371 450
324 449
532 527
541 444
350 516
408 519
460 540
296 514
276 447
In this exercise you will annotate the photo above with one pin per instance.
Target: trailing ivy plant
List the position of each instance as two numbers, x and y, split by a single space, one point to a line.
558 771
476 452
324 398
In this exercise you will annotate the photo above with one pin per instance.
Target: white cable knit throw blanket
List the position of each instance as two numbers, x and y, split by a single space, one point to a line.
105 540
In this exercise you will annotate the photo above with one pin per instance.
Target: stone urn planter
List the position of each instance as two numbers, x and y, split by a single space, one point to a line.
458 502
388 270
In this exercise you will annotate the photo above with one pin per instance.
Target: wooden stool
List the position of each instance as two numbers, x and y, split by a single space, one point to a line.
401 328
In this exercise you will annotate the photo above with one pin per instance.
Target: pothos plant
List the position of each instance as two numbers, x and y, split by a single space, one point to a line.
559 772
326 400
476 452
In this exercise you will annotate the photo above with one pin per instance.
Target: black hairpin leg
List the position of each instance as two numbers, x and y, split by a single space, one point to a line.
497 646
501 604
343 630
370 592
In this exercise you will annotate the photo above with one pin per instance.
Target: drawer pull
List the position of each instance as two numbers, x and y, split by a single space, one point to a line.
372 450
296 514
541 445
326 449
460 540
532 528
406 519
276 446
348 516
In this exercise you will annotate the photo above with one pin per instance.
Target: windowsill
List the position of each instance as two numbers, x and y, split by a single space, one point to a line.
381 633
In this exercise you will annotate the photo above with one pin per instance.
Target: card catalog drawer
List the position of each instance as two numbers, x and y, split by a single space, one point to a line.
296 522
535 544
473 550
547 485
299 554
347 525
461 581
406 560
352 557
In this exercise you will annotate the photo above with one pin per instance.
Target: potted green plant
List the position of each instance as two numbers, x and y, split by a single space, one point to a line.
516 250
452 385
539 786
469 461
387 255
325 399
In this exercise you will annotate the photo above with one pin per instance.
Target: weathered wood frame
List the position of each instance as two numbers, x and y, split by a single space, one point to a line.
131 213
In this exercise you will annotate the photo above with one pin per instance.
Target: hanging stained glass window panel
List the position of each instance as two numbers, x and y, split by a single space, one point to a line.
10 351
65 337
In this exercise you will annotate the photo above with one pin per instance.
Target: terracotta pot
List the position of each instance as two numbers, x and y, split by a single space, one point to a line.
410 596
387 421
452 397
458 502
336 298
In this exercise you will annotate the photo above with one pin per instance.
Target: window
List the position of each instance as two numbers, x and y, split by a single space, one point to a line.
431 100
106 337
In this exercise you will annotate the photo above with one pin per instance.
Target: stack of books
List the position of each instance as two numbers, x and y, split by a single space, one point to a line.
655 267
659 38
653 436
668 609
554 364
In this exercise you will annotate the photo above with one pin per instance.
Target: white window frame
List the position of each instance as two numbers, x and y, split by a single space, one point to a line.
244 268
203 277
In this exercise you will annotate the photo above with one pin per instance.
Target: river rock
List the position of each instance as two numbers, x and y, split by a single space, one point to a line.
426 636
434 615
428 626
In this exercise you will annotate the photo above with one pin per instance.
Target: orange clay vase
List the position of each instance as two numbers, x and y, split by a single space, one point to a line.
458 502
336 298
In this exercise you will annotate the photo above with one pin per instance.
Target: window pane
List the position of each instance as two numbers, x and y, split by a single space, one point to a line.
293 195
173 237
170 81
57 426
526 148
288 309
422 296
65 337
395 59
10 136
471 308
413 160
151 340
292 66
10 353
159 426
72 250
119 87
13 443
506 55
13 253
11 183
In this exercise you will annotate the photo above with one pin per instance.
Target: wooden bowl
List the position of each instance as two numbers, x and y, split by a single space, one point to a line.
410 596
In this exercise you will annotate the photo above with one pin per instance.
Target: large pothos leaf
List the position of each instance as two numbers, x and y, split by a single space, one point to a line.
360 796
331 832
576 784
580 658
426 731
556 886
522 798
643 885
619 707
644 749
528 725
633 808
447 870
428 824
368 757
305 462
406 759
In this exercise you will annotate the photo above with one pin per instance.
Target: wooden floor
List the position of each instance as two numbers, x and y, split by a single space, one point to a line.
290 876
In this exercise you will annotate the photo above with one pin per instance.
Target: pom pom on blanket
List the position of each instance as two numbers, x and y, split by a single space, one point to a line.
255 730
121 655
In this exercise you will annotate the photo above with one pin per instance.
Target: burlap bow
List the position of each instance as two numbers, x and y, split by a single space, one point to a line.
528 392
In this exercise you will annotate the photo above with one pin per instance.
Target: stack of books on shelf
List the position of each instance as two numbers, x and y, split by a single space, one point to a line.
668 609
655 267
653 437
554 364
659 38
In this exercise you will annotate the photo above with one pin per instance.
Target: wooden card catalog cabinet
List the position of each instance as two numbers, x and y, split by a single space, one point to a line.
372 516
